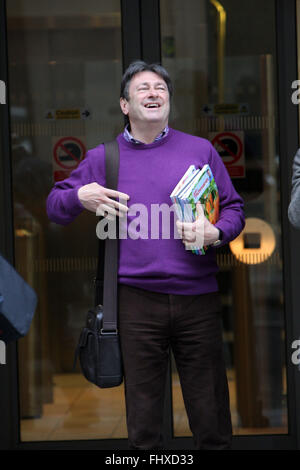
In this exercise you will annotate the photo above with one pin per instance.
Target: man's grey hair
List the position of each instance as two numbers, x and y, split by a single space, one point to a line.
140 66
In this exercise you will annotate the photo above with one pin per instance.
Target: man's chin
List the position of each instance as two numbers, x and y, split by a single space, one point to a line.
155 120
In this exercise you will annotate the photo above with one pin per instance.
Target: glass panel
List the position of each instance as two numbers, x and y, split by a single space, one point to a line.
222 59
64 68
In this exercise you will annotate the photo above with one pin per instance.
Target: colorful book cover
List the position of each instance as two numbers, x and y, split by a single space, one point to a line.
184 180
189 174
201 186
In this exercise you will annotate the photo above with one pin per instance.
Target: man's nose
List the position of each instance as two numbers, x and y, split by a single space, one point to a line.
153 92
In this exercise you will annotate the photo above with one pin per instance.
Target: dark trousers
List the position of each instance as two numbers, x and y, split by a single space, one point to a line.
152 323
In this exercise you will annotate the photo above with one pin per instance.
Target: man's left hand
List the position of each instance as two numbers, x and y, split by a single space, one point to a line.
199 233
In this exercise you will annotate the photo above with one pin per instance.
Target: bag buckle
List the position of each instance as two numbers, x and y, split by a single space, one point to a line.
109 332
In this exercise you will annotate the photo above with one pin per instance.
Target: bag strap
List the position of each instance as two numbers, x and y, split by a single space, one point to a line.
111 255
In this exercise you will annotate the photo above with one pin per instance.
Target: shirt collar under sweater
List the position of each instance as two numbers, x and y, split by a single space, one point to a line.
127 135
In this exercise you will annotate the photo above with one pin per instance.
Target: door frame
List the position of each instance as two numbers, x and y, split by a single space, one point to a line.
141 40
287 72
8 372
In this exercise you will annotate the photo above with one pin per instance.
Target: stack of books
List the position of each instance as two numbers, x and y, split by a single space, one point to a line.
196 185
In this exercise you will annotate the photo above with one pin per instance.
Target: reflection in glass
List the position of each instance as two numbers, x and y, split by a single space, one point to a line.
64 68
221 57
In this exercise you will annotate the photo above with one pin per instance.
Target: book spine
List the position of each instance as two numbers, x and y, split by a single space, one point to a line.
177 207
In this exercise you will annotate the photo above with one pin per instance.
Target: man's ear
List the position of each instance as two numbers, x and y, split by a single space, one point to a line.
124 107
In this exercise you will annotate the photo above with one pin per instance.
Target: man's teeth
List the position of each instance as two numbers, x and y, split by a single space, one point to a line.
152 105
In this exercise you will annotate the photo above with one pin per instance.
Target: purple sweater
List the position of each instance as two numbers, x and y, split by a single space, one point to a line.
148 173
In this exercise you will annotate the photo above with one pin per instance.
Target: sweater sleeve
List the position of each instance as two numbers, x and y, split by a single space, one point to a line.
294 206
63 205
231 216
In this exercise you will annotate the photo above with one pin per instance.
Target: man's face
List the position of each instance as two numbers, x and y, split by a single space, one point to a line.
148 100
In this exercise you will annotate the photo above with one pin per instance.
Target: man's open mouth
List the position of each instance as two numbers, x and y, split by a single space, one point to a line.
152 105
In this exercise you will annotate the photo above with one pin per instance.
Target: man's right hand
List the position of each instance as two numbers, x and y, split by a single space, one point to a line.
98 199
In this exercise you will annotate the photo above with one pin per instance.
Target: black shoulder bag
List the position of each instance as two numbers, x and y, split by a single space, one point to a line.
98 346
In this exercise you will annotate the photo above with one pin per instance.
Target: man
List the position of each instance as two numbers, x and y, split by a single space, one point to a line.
168 296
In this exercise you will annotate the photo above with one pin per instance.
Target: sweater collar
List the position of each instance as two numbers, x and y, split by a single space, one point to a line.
142 146
128 136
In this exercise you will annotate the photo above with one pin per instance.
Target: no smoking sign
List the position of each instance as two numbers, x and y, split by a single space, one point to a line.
230 146
67 154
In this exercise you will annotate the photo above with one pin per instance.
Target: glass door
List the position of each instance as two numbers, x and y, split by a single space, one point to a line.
65 64
222 58
65 61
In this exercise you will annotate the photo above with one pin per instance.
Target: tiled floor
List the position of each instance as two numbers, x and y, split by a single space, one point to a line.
81 410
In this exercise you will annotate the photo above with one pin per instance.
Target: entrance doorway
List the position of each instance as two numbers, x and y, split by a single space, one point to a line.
65 61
